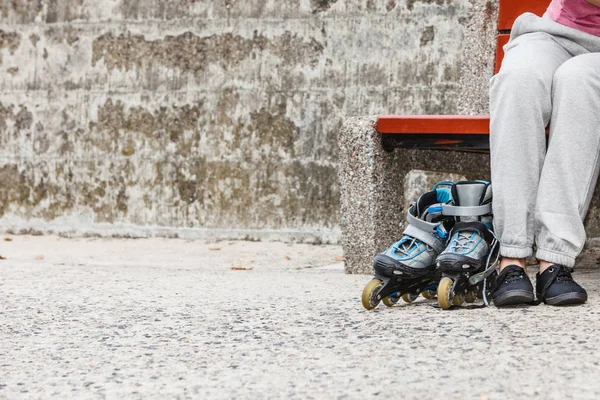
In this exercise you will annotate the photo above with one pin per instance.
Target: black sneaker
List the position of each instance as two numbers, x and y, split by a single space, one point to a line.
512 287
556 287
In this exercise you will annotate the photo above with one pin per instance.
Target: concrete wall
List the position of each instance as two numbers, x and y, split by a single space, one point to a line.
205 118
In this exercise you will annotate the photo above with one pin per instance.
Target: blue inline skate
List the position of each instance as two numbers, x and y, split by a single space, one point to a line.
464 264
407 268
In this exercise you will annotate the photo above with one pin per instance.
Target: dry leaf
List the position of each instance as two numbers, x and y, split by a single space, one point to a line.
2 258
236 268
7 239
40 257
339 258
214 248
288 257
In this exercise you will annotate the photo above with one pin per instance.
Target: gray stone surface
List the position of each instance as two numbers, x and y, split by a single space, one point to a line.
157 318
200 117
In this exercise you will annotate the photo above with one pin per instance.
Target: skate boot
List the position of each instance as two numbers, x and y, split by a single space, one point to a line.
407 268
463 263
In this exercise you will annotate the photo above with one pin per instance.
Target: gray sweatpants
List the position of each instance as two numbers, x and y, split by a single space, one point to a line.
550 74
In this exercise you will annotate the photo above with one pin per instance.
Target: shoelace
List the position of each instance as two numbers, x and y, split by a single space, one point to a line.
406 243
463 241
513 275
564 275
560 274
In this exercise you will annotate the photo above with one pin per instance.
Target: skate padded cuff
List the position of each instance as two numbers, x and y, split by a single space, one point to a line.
466 211
424 237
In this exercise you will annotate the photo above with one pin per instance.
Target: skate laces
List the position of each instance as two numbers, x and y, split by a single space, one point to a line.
490 268
464 241
407 244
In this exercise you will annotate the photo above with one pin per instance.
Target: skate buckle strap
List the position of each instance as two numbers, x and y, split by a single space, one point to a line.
475 279
466 211
425 237
429 227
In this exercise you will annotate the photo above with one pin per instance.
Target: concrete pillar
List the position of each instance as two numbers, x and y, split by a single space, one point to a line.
372 181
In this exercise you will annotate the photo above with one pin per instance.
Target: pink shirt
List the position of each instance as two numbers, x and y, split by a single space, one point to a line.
577 14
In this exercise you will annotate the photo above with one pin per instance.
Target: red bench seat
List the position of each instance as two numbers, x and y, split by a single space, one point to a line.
434 131
425 124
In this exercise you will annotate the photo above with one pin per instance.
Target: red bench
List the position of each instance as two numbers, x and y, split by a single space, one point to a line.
454 131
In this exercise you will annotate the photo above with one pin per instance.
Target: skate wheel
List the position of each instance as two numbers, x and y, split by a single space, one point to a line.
470 297
458 300
429 294
390 300
369 294
444 294
409 297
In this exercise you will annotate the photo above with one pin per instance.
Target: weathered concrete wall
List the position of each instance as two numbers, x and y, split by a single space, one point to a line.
197 117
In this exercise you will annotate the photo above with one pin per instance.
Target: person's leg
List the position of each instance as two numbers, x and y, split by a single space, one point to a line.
520 108
570 170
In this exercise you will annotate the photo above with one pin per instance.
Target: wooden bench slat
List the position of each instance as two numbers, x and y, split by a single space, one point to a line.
437 124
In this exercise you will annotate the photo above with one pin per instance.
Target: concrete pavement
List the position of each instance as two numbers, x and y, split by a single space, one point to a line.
168 318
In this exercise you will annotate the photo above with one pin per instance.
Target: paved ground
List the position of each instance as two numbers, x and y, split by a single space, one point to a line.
95 318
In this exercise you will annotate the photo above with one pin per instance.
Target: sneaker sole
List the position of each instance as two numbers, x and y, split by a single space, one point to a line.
567 299
513 298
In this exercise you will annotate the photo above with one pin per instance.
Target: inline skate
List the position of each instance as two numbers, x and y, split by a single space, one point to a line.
464 263
407 268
